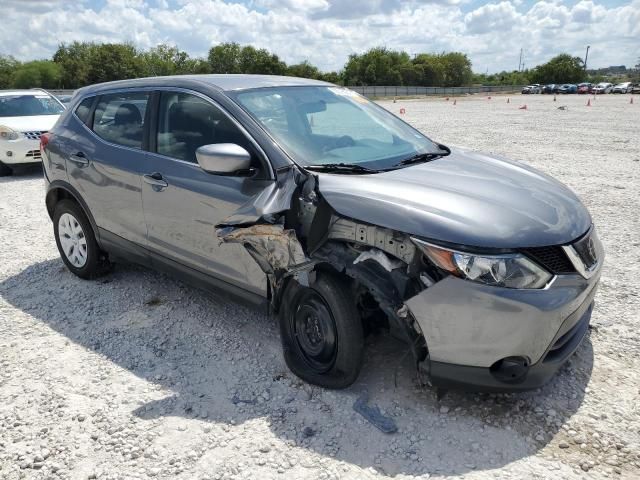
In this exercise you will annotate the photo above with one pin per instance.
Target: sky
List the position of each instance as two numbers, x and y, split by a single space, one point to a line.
325 32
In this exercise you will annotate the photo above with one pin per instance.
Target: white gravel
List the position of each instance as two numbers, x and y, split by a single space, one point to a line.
138 376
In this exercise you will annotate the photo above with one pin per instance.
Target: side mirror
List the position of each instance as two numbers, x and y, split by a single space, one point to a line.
224 159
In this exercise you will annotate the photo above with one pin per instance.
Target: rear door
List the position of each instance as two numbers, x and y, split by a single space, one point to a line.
183 203
105 164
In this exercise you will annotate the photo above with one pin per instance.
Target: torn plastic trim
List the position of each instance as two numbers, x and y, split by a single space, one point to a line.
265 206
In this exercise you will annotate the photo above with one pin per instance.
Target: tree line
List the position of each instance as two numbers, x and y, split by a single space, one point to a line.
78 64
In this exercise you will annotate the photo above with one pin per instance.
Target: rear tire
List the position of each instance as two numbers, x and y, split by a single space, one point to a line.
4 170
75 240
321 332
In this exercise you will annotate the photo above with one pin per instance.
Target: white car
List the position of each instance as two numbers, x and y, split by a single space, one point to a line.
602 87
624 87
24 116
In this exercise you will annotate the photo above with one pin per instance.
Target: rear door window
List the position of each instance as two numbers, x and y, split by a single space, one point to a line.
119 118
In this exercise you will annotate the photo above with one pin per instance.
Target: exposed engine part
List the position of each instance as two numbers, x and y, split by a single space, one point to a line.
289 229
389 241
388 289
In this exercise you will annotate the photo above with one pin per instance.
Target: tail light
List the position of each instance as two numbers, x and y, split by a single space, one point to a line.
44 140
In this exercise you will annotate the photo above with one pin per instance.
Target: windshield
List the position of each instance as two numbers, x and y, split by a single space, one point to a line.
333 125
28 105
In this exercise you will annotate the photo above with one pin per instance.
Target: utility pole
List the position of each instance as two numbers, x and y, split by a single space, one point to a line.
586 55
520 61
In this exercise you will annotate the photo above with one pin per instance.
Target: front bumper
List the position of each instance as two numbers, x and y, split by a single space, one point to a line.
481 337
20 151
498 379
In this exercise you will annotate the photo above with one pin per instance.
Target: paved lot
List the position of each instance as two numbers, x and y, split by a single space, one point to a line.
138 376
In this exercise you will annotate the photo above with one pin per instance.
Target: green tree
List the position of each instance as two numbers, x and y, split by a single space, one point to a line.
8 67
432 70
562 68
260 61
38 73
304 70
225 58
377 66
232 58
74 60
165 60
456 67
113 61
332 77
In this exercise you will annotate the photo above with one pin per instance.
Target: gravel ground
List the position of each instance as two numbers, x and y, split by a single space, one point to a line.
136 375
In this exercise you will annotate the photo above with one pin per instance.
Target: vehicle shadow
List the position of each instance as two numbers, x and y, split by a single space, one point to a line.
23 172
221 362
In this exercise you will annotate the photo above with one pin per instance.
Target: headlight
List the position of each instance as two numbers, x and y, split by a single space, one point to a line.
7 134
508 270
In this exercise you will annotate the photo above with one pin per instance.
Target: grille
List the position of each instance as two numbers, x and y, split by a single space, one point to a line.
34 135
552 258
35 154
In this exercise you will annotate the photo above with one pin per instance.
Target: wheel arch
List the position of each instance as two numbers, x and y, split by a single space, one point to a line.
58 191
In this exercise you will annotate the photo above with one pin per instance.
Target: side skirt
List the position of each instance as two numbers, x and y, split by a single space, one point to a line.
129 252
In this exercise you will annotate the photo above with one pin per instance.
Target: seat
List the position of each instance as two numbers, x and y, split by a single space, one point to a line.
127 122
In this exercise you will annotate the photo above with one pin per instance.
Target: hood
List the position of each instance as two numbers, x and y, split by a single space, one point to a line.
36 123
465 198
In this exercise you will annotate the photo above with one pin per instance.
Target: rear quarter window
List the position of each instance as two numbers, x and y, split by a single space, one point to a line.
83 111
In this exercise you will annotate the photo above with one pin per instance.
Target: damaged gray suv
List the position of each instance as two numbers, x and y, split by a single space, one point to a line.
341 217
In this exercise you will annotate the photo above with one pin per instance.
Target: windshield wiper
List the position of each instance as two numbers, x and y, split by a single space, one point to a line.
422 157
340 167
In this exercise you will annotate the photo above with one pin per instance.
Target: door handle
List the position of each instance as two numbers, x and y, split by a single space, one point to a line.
79 158
155 180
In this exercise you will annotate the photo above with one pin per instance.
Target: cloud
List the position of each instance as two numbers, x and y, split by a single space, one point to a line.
326 31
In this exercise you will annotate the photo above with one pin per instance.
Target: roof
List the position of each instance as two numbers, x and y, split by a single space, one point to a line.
223 82
35 91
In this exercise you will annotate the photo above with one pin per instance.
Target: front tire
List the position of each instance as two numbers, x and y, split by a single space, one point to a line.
321 332
75 240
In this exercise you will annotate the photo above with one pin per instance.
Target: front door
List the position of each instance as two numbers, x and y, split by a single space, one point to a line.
182 203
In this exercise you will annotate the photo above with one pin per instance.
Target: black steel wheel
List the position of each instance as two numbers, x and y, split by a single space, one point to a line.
321 332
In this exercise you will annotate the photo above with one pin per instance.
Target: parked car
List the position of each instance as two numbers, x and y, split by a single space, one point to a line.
64 99
635 88
550 88
535 88
310 198
624 87
602 87
568 88
24 116
585 88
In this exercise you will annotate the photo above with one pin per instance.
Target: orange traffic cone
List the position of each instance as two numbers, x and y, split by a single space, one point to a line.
508 100
589 103
523 107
